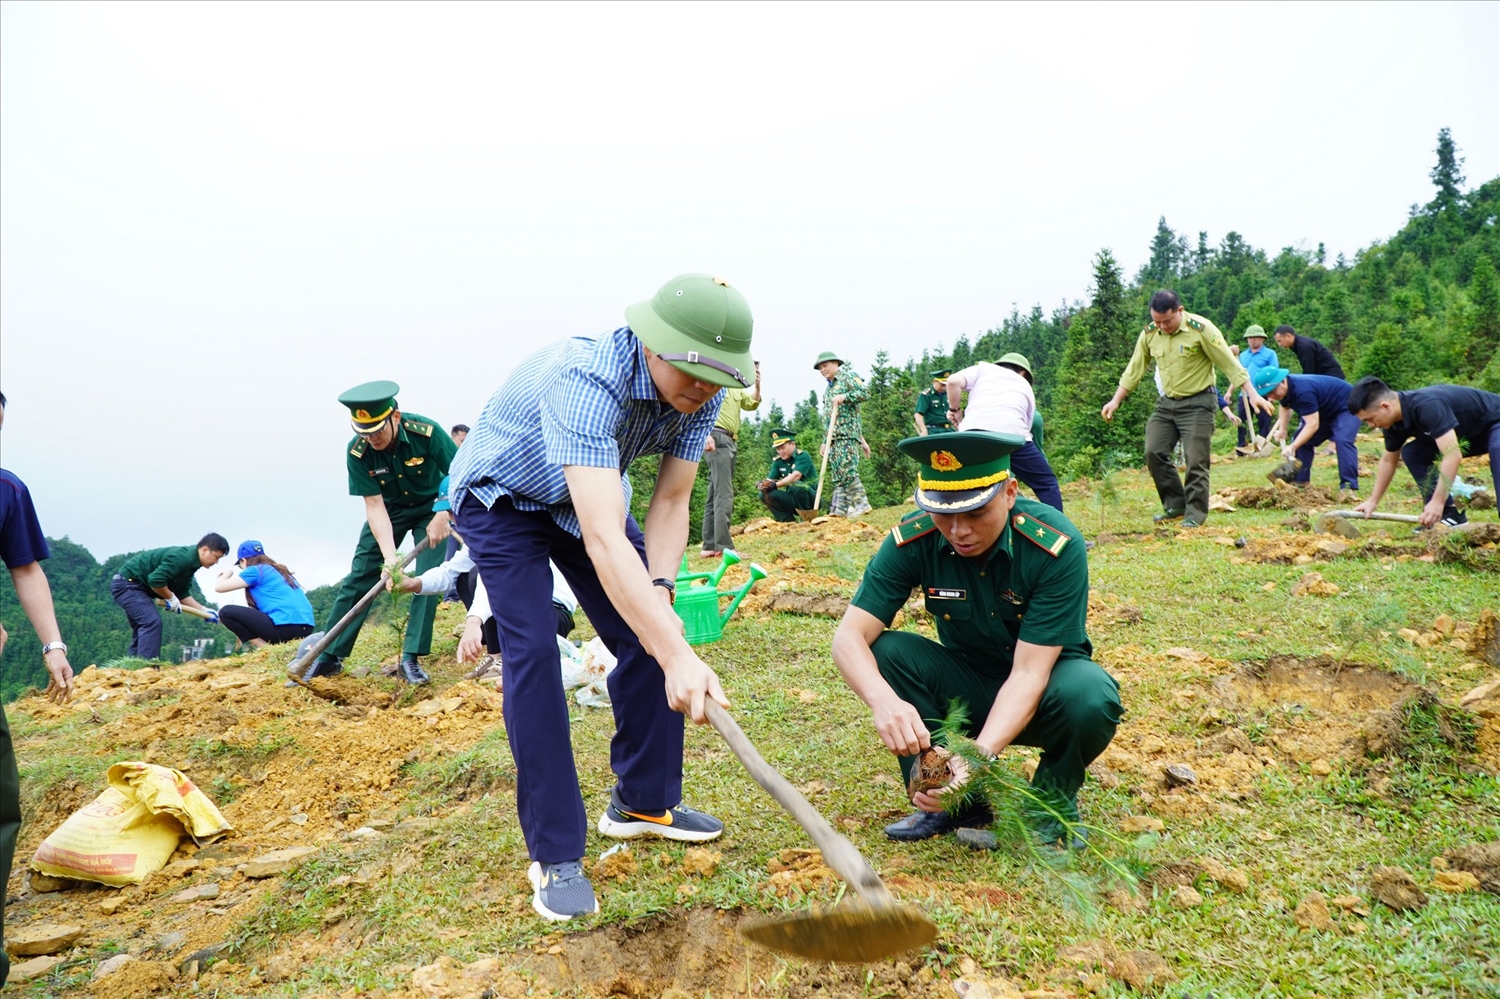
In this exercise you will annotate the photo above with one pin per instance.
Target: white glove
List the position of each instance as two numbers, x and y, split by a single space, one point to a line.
174 605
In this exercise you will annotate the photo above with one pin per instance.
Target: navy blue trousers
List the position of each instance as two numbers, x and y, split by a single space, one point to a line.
1341 430
139 606
511 548
1030 467
1421 455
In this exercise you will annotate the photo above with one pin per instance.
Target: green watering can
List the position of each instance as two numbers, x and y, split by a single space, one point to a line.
697 600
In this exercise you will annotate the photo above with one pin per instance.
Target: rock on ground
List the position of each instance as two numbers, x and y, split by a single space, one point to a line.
42 938
1396 888
278 861
1143 971
34 968
1481 860
1312 913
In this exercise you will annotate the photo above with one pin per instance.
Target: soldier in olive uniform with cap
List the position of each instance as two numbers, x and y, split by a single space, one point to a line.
841 399
931 415
1007 581
396 463
1186 348
789 486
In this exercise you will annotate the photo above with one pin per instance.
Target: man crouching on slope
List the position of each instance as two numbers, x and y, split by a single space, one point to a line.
541 476
1007 582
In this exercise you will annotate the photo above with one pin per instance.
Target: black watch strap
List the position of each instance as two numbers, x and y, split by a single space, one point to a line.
666 584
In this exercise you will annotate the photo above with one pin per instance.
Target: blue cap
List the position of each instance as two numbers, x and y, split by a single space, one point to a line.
1268 378
441 503
249 548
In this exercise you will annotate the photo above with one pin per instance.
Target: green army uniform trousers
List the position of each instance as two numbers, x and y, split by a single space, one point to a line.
1073 724
10 821
1190 420
785 502
364 573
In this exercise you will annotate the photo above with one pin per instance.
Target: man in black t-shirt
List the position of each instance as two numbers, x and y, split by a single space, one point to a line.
1314 358
1446 420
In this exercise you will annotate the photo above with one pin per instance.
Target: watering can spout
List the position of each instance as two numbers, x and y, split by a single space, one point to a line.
756 573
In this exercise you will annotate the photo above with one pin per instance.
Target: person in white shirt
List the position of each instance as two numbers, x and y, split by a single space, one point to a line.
1001 401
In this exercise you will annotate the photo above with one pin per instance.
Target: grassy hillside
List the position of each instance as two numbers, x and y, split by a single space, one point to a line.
1320 715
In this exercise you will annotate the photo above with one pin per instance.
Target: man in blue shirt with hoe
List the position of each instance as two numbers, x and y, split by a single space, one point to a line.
542 476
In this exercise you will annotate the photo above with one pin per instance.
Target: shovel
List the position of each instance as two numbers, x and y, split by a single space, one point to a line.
833 419
871 929
299 666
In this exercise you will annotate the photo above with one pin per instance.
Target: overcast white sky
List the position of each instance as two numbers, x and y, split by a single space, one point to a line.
214 218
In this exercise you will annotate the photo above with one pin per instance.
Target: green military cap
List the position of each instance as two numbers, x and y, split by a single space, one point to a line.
941 375
827 355
1256 330
960 472
370 404
1017 360
781 435
699 325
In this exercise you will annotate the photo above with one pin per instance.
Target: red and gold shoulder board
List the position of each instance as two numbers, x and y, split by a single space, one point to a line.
913 528
1046 537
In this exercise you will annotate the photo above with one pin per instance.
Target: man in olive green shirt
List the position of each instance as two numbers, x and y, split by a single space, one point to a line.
788 488
719 452
1007 581
931 413
1186 348
396 463
165 574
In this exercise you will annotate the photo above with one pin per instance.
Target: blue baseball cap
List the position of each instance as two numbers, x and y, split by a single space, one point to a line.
249 548
1268 378
441 503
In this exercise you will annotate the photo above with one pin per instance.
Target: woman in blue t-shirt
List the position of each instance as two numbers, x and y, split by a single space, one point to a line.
278 609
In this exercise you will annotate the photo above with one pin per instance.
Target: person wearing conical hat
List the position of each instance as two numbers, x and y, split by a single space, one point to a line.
931 413
847 390
542 476
1001 401
395 462
788 486
1006 581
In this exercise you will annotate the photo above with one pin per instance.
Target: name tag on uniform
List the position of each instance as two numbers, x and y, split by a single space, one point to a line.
380 471
942 593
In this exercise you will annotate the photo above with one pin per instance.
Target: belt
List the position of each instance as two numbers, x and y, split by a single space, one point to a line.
1190 394
726 433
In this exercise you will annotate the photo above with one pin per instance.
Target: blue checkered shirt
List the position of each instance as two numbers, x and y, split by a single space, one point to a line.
583 401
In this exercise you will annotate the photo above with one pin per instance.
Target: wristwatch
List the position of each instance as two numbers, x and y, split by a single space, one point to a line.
667 585
54 647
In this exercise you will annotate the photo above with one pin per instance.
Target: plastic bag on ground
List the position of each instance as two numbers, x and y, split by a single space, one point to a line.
598 662
132 828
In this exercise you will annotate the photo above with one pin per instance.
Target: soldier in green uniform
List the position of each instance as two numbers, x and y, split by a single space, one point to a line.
847 390
931 415
396 463
788 488
1186 348
1007 581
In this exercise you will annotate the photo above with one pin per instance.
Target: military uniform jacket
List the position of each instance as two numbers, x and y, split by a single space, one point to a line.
852 387
801 462
932 407
1186 359
408 473
1033 586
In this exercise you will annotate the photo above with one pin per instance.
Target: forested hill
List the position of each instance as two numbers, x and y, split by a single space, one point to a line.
1419 308
93 626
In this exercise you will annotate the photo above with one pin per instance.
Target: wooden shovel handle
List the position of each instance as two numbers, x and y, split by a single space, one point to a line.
833 419
838 853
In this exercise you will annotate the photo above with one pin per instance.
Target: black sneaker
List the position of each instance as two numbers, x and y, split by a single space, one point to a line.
410 669
680 823
925 825
324 665
1454 521
561 891
1166 515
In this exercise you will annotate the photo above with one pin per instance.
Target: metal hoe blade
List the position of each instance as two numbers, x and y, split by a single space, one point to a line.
853 933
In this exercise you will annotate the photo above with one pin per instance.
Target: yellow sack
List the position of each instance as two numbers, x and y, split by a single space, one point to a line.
131 829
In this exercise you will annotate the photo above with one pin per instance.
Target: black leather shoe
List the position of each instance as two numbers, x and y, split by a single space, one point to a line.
324 665
925 825
1166 515
411 671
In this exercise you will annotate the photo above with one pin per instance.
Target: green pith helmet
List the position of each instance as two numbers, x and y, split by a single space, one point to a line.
781 435
1256 330
827 355
941 375
1019 360
959 472
370 405
699 325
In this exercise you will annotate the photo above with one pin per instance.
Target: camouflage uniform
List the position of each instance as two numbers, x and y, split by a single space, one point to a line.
848 499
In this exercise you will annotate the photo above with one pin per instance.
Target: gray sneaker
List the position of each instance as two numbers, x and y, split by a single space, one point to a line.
562 890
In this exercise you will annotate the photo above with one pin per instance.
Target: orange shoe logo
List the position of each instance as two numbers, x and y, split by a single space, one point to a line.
664 819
